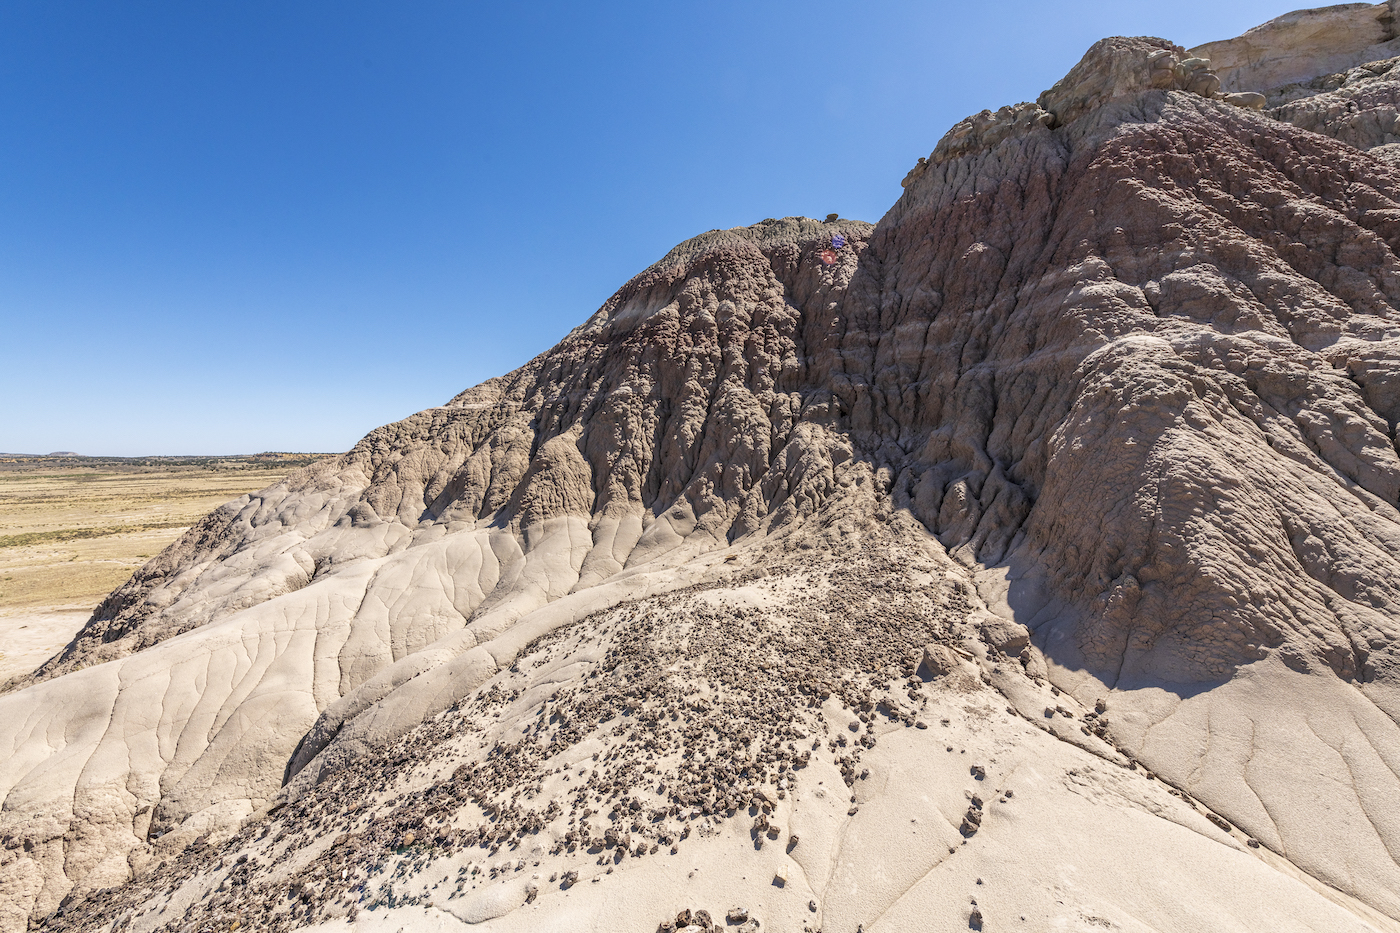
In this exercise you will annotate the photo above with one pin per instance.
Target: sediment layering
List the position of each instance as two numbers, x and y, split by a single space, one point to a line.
1030 560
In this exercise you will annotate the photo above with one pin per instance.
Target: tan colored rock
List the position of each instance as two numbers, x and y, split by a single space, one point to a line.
1249 100
1303 45
937 661
1139 359
1004 634
1118 67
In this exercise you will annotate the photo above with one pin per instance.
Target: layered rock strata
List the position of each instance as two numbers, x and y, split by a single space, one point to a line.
1305 44
1055 517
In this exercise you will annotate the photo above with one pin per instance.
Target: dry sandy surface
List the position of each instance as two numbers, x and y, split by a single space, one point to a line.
32 636
71 533
1029 560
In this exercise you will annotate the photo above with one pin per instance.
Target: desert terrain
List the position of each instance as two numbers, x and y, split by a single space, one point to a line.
72 529
1028 559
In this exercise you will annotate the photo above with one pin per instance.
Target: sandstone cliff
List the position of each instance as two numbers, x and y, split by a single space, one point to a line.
1033 553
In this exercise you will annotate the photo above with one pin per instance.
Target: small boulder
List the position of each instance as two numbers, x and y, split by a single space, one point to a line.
1249 100
1202 81
937 661
1005 635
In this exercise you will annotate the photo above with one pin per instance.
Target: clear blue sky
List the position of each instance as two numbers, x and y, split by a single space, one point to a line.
241 226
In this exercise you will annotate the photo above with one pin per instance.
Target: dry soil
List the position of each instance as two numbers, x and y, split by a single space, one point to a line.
72 530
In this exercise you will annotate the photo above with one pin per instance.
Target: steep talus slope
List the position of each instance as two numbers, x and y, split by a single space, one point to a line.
675 396
1186 380
763 740
1220 300
1171 415
1119 365
661 428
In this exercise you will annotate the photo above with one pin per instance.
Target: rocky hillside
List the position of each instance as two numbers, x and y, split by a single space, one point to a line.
1029 559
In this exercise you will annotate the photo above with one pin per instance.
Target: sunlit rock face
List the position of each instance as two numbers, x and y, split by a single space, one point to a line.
1305 44
1033 553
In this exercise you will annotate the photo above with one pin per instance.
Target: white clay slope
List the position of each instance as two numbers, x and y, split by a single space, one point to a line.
1036 565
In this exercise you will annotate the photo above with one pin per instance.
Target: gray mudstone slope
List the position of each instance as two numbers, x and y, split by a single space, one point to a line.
1039 557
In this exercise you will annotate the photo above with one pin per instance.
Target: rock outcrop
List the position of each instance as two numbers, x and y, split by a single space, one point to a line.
1053 520
1306 44
1360 107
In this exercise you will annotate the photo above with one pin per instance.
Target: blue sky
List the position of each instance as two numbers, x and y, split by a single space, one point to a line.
233 227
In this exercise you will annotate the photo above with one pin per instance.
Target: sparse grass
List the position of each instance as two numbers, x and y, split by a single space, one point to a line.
64 465
71 532
77 534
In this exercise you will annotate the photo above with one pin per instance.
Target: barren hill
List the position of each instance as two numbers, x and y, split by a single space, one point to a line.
1030 559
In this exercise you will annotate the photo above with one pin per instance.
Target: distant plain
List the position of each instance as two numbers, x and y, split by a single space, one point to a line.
74 528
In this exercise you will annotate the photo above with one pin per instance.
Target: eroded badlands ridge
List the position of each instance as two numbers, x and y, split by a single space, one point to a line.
1037 558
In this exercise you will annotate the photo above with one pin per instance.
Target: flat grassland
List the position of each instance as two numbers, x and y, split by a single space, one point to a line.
72 529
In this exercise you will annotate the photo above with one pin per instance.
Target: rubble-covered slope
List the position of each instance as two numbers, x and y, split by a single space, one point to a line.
1031 554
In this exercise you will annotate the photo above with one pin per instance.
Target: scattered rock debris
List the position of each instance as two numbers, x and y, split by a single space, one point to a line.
706 710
